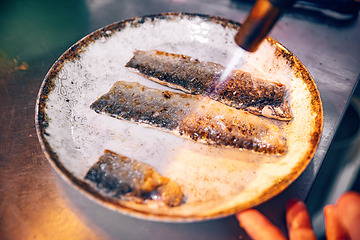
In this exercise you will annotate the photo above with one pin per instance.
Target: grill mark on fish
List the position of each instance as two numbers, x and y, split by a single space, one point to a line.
240 90
122 177
191 116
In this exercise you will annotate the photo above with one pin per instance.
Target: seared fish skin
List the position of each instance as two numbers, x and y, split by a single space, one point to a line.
191 116
240 90
119 176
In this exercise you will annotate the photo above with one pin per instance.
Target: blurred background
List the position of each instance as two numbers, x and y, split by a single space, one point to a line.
33 34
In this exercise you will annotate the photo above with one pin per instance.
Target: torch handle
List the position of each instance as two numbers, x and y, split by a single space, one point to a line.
259 22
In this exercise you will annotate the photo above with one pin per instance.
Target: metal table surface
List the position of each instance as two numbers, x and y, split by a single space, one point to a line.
35 203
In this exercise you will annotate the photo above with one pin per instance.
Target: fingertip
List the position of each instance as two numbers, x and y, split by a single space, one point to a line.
257 225
348 197
294 207
237 216
292 202
328 210
330 214
333 226
240 216
298 220
348 213
297 215
349 205
249 213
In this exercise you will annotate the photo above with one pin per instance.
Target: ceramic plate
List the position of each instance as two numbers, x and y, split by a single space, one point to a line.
216 181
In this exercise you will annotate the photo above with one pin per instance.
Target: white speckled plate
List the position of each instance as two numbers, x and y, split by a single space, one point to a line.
216 181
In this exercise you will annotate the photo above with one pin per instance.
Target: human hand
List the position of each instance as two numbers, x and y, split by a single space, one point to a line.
258 227
342 220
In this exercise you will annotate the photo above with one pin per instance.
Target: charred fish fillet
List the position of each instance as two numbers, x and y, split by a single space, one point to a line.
122 177
191 116
240 90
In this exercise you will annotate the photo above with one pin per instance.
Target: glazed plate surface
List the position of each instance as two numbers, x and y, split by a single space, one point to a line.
217 181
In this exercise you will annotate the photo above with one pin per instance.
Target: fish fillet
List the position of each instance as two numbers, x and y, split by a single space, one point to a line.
122 177
191 116
240 90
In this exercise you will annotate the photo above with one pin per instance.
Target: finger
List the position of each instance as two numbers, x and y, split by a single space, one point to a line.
257 226
349 207
333 227
298 221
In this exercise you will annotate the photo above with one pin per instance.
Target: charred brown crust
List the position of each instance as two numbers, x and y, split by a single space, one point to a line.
134 102
186 115
240 90
242 136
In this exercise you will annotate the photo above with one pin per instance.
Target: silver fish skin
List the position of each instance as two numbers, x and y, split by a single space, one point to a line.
191 116
122 177
240 90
